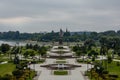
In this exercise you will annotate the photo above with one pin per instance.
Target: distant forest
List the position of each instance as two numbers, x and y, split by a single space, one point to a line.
54 36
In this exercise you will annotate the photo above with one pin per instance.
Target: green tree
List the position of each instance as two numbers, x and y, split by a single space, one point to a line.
29 52
89 43
15 50
5 47
109 58
78 53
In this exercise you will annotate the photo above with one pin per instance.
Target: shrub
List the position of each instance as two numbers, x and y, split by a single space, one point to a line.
6 77
118 63
60 47
113 75
93 58
17 73
105 72
109 59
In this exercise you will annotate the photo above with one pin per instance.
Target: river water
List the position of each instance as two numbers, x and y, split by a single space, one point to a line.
23 43
13 43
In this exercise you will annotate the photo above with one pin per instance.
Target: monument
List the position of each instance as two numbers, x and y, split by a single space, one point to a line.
60 37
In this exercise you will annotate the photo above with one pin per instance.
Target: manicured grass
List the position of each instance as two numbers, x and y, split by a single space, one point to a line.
4 58
6 68
114 69
60 72
83 61
59 62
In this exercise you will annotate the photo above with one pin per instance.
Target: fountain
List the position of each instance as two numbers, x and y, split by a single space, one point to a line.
61 66
63 52
59 52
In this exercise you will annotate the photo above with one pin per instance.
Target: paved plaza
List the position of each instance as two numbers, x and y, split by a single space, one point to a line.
75 74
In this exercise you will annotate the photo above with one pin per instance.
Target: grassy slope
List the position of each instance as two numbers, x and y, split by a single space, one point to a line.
6 68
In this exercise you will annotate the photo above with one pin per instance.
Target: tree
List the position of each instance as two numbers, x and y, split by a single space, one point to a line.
26 54
89 43
75 48
39 52
29 46
78 53
43 51
29 52
94 35
15 50
36 47
109 58
5 48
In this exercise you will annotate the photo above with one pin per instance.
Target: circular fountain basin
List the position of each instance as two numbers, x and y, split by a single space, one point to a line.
60 66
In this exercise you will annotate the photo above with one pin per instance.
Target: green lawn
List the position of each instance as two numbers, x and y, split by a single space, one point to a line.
114 69
60 72
4 57
60 62
83 61
6 68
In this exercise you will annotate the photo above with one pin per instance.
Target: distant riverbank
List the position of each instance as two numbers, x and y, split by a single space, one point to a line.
13 43
22 43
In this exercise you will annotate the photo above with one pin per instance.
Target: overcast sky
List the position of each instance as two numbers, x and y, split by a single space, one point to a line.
47 15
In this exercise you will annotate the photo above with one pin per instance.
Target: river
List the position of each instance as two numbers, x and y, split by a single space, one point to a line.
13 43
23 43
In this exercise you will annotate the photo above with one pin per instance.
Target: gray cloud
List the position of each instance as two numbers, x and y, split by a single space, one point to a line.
47 15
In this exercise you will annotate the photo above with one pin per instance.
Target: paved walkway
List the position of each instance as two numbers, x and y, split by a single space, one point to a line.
116 60
45 74
76 74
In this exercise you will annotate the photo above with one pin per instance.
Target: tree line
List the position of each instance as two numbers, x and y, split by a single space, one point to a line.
54 36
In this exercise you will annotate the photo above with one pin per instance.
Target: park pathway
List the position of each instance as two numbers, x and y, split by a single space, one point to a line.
75 74
45 74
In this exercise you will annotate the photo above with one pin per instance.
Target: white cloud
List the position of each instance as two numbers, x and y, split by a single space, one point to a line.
16 20
47 15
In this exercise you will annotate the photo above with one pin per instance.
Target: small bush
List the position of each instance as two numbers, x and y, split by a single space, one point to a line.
118 63
109 59
113 75
60 47
105 72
